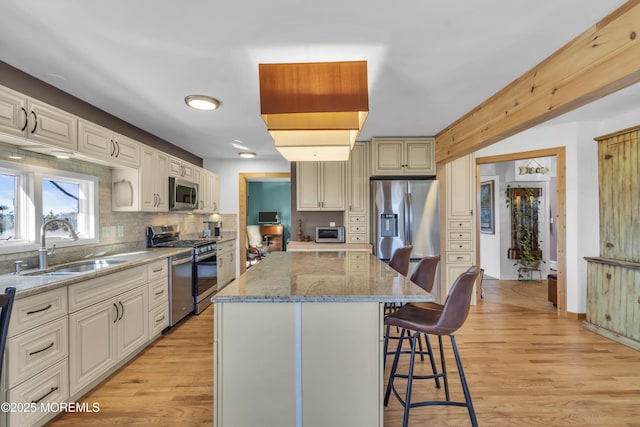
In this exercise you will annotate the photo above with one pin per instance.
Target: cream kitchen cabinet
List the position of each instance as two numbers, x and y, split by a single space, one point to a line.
358 195
34 120
320 186
145 189
226 252
403 156
158 276
103 144
460 241
180 169
108 322
208 191
36 360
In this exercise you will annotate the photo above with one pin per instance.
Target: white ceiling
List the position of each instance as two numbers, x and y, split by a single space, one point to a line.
429 61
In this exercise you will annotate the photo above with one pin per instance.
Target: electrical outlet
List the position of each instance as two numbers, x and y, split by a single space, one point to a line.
332 224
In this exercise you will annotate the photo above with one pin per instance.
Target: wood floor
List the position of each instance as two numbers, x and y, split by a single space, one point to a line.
525 367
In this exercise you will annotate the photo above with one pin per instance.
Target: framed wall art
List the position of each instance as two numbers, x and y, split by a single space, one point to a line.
487 208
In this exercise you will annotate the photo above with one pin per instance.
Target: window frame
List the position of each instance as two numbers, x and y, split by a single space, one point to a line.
28 207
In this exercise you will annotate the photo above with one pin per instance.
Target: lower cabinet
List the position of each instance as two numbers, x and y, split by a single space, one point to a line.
106 333
226 263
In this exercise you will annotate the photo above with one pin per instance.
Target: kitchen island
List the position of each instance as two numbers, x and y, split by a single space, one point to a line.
298 340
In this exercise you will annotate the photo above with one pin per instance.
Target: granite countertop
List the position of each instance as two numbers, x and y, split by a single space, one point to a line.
321 277
324 247
29 285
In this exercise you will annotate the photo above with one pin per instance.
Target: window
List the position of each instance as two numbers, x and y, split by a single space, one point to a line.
7 207
29 196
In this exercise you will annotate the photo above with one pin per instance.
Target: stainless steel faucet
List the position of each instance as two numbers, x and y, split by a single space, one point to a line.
43 252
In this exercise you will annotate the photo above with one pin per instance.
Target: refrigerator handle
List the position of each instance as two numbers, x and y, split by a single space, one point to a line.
409 222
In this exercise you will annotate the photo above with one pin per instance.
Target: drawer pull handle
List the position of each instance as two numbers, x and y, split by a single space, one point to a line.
158 270
38 311
46 394
160 319
117 313
459 257
42 349
160 293
122 307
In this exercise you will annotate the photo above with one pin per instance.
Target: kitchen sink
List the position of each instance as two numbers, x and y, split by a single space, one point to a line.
76 267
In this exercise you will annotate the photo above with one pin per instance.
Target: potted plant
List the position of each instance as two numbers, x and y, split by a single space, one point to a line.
524 203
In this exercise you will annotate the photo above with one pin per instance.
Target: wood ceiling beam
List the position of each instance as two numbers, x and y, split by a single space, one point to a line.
600 61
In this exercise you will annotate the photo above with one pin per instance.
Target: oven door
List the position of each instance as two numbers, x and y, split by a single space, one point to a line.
205 281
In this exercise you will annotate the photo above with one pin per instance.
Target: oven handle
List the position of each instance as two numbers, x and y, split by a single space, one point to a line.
207 256
182 261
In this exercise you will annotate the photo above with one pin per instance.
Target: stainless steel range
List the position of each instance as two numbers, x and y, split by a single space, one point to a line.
203 277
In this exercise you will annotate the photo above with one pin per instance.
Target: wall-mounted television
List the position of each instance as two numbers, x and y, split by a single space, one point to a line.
268 217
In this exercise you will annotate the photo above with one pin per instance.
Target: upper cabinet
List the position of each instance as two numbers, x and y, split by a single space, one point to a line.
28 118
403 156
145 189
320 186
209 191
181 169
101 143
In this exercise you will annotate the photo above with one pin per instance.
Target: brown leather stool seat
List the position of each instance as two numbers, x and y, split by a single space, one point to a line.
433 322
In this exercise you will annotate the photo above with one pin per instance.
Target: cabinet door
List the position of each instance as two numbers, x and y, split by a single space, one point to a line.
13 112
332 185
132 323
459 187
52 126
175 167
419 157
307 186
358 182
148 184
215 193
161 178
95 140
127 151
388 157
92 343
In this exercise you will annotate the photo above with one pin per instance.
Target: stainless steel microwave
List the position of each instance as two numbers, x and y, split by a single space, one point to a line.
329 234
183 194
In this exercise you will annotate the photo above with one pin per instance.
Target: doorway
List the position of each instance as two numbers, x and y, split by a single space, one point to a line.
244 179
559 220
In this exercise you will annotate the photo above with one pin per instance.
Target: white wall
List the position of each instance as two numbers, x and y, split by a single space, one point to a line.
490 243
580 225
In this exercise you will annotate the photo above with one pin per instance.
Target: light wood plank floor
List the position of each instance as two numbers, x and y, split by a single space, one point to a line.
525 367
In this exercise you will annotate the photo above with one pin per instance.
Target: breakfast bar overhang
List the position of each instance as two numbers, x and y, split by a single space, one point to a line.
298 340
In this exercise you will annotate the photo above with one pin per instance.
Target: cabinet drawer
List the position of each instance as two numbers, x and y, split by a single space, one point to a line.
158 319
34 350
158 269
99 289
460 224
357 219
460 235
357 238
37 309
459 257
158 292
459 246
360 228
51 385
225 246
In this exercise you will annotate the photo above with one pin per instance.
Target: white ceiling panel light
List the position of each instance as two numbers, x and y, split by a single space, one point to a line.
202 102
247 154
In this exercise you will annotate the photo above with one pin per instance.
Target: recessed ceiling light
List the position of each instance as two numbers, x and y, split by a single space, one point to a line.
202 102
14 156
247 154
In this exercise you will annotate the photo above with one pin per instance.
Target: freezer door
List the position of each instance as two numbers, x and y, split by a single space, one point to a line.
423 217
389 213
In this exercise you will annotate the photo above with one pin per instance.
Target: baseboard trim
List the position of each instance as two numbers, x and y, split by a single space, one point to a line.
577 316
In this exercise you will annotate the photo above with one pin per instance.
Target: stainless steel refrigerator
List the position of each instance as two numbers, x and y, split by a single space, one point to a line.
405 213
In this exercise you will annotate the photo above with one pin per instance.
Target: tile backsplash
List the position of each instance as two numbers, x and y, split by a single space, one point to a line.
119 231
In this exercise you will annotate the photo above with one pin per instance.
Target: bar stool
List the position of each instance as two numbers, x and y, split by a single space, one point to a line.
424 276
434 322
6 303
